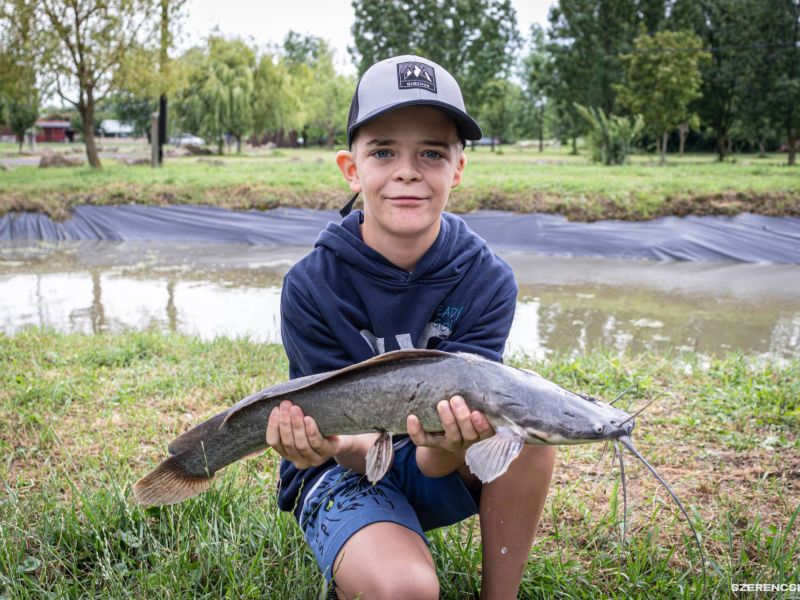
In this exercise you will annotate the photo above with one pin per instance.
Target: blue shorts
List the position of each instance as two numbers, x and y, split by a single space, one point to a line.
342 502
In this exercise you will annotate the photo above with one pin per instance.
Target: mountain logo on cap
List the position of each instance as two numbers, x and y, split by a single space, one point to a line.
416 75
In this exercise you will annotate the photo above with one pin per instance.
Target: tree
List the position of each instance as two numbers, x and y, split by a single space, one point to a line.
323 95
133 109
497 112
536 75
586 40
725 27
473 39
276 105
219 97
22 115
662 77
19 57
86 41
780 22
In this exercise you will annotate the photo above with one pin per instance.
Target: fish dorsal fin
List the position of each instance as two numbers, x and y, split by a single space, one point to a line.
301 383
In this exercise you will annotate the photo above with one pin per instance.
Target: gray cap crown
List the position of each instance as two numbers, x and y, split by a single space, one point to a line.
408 80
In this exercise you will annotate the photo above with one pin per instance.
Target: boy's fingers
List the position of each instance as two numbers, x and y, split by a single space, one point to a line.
273 433
301 442
482 425
285 430
463 418
418 435
452 431
315 439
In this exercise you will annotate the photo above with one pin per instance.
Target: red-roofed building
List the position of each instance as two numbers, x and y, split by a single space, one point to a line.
54 131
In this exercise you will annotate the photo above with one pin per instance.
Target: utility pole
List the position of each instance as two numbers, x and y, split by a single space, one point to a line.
162 64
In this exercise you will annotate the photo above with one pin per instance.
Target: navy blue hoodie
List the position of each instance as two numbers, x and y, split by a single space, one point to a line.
344 303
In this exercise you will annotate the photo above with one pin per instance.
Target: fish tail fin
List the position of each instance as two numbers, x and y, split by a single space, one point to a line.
169 483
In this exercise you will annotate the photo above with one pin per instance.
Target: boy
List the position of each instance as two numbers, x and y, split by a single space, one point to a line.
402 274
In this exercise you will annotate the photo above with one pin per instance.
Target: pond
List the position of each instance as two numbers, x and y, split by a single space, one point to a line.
565 304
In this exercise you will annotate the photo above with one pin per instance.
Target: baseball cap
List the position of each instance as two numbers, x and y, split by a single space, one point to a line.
407 80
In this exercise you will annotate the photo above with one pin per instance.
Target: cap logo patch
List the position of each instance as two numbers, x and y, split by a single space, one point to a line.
416 75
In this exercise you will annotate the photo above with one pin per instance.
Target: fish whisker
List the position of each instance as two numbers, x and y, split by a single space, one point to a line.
618 452
646 406
626 441
625 391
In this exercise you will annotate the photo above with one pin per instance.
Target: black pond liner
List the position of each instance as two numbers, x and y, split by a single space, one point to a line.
743 238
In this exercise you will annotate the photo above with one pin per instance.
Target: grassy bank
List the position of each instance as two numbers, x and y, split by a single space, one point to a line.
85 416
518 179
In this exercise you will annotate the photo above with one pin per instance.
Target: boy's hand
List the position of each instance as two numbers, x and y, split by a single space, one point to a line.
462 427
297 438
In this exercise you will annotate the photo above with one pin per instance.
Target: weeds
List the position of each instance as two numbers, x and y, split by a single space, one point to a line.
85 416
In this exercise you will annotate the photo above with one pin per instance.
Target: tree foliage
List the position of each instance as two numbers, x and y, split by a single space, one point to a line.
19 62
473 39
662 79
323 96
536 72
218 98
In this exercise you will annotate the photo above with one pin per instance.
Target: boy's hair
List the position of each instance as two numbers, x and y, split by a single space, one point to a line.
409 80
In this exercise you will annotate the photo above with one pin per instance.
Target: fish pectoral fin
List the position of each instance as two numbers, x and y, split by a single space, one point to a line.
490 458
379 457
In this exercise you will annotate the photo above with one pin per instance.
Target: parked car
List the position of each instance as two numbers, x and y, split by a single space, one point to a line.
187 138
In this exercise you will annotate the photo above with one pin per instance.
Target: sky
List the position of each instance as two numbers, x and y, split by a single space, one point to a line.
268 22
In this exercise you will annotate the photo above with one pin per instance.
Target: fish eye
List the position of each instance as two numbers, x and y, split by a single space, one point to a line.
598 428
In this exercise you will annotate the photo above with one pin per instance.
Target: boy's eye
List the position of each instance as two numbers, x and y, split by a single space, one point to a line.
382 154
432 154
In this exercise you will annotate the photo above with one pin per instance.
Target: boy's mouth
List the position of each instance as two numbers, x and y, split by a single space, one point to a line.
405 199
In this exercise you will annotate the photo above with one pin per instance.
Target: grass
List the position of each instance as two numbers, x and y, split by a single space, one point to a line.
519 179
85 416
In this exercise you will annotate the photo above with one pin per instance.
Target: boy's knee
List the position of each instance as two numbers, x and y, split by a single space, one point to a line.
415 580
543 457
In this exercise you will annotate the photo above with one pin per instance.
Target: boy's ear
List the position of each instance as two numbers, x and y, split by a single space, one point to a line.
462 163
347 165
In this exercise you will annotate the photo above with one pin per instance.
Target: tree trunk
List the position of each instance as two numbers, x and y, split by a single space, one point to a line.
683 131
664 138
730 146
762 149
541 130
238 144
792 135
574 145
721 143
220 146
492 143
87 114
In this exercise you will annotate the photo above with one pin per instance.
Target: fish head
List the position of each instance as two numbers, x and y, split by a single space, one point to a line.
545 413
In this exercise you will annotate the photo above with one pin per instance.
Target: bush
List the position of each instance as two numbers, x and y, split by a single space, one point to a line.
610 137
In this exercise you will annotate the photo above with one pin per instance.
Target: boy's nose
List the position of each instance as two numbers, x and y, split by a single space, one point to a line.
407 171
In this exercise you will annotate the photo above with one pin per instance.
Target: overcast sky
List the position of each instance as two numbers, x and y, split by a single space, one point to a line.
268 22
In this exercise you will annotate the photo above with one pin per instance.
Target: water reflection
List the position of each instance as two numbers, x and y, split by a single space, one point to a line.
564 305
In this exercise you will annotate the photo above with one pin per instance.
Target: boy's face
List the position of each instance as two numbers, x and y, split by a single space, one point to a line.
404 163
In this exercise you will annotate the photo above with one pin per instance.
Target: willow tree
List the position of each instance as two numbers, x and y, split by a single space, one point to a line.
85 43
218 100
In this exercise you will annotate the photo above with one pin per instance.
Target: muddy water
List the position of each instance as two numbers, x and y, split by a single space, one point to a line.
565 304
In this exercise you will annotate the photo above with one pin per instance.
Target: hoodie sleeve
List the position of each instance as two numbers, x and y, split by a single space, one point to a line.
488 333
309 343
